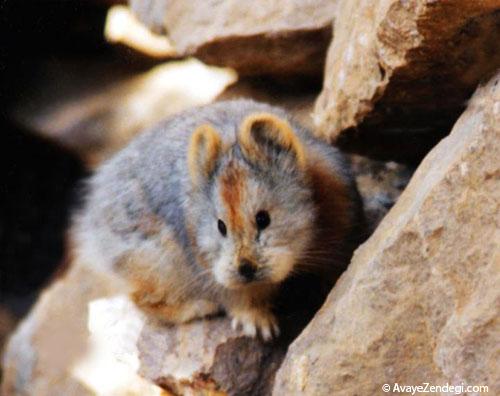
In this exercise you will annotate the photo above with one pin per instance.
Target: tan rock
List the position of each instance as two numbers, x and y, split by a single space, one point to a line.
254 37
420 301
398 73
82 338
39 355
122 27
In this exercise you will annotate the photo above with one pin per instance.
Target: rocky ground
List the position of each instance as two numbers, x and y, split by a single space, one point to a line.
410 90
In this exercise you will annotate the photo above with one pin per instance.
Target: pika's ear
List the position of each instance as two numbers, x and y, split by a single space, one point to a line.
204 151
263 136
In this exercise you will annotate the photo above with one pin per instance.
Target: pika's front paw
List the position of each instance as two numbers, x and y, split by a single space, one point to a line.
253 321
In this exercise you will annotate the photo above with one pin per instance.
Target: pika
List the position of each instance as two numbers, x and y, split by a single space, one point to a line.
214 209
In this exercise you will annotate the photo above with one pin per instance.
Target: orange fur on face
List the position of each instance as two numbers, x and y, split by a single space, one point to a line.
232 190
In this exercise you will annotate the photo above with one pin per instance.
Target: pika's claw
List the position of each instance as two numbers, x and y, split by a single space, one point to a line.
276 330
249 329
235 324
266 333
253 322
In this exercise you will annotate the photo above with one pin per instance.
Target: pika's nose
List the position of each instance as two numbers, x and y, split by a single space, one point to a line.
247 269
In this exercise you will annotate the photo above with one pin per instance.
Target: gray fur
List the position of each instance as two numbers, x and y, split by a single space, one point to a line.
150 177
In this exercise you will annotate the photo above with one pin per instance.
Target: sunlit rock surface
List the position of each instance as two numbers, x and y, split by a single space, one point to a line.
399 73
420 301
254 37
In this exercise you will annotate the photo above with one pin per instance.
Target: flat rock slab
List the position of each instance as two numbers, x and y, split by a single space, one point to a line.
420 301
83 338
281 37
399 73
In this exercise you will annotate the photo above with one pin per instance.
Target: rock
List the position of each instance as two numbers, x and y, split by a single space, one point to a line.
84 338
420 301
151 13
399 73
259 37
86 113
122 27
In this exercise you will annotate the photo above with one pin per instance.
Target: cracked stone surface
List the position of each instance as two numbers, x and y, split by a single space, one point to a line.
399 73
420 301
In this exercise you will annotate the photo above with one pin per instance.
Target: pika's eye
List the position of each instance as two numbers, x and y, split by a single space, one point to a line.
222 227
262 219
